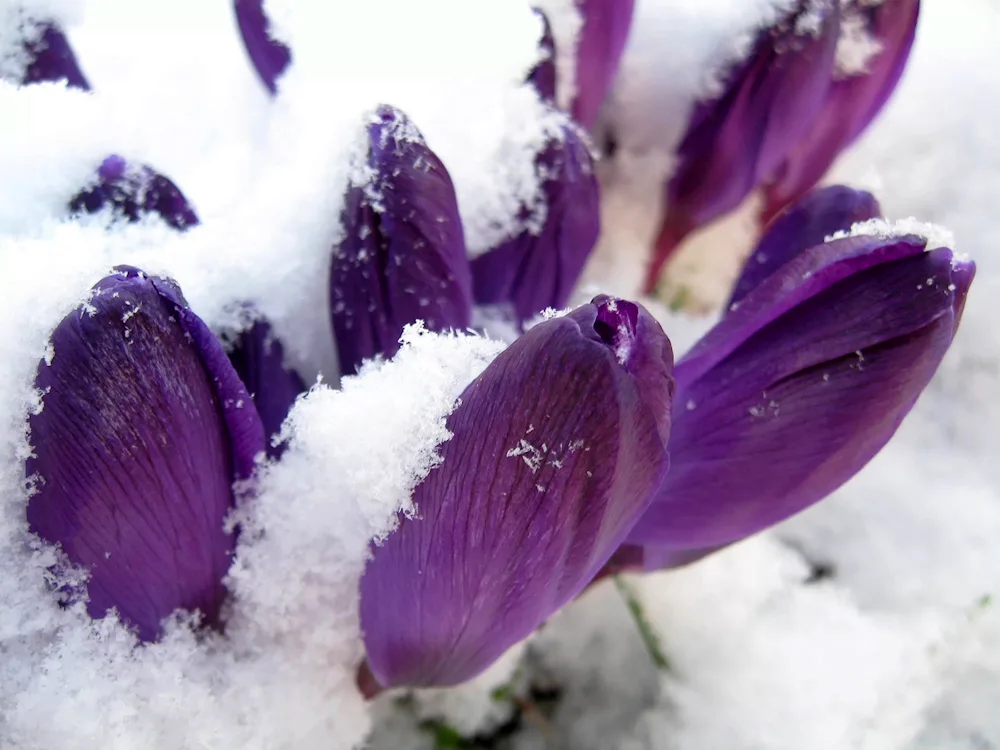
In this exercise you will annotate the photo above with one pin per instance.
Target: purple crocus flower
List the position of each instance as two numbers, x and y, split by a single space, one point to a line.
543 75
556 450
539 267
799 386
600 43
50 58
739 139
258 358
143 429
873 54
402 258
133 191
270 57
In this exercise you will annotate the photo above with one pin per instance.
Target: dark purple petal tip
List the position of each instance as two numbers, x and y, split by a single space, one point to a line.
599 48
539 267
270 57
50 58
143 429
402 257
556 449
543 75
133 192
815 217
776 410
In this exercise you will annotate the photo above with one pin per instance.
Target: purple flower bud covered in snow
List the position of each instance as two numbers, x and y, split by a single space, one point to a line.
539 267
258 359
132 192
600 43
269 56
543 75
799 386
144 427
50 58
876 39
402 258
556 450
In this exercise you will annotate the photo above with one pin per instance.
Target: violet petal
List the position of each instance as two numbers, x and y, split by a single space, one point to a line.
132 192
270 57
600 43
402 258
52 59
818 215
787 411
854 99
555 452
143 429
535 271
258 359
543 75
738 140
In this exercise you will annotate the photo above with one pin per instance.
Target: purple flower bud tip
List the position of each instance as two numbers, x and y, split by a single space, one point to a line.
134 192
51 59
269 56
795 390
402 257
144 427
814 218
258 359
600 44
556 450
543 75
536 270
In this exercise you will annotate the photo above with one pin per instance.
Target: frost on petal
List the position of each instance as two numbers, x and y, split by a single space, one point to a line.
783 412
600 44
270 57
50 58
807 223
132 192
143 428
871 55
402 257
737 140
556 450
539 268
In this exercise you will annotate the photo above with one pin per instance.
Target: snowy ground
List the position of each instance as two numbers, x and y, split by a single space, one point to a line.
868 622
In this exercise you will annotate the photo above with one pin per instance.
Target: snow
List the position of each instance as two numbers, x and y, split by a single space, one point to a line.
868 622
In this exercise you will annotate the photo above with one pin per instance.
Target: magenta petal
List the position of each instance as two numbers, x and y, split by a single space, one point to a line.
600 43
270 57
539 269
402 258
132 192
854 99
735 142
807 223
143 430
51 59
783 413
556 450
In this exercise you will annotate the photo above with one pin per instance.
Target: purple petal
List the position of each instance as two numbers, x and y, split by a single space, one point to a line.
132 192
402 258
555 452
815 217
535 271
790 410
143 429
258 359
269 56
738 140
52 59
853 101
543 75
599 48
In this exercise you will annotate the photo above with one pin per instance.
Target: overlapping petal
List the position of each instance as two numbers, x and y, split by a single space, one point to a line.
556 450
143 429
402 257
539 267
600 43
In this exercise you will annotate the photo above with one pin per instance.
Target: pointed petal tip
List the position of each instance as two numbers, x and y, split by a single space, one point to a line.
269 56
51 59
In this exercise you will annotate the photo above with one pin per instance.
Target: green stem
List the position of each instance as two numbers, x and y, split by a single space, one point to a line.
649 638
